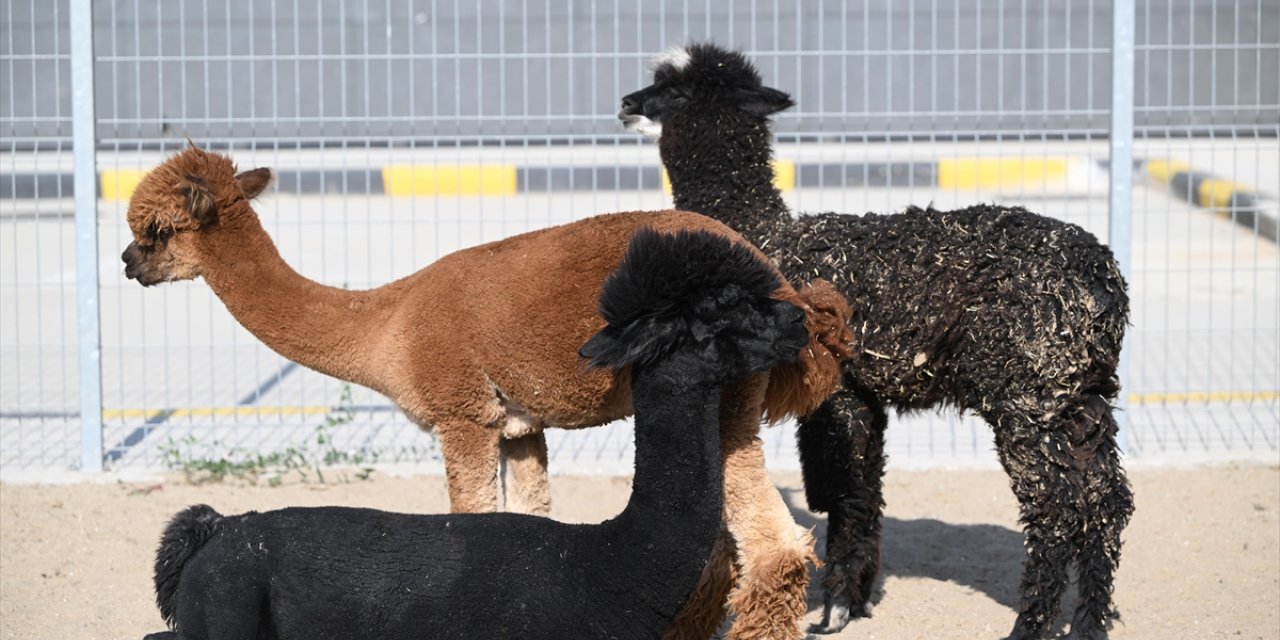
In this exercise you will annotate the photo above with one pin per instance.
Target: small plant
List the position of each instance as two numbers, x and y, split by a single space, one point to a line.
304 461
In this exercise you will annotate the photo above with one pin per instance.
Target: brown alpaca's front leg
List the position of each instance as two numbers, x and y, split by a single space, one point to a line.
773 551
705 611
526 462
470 464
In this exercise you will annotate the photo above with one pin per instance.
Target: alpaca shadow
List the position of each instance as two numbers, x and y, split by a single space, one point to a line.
983 557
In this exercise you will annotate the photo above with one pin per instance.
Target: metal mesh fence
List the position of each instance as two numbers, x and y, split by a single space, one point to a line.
928 101
37 276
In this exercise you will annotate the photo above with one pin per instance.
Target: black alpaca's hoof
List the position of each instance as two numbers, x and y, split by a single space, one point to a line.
162 635
836 615
1090 629
1093 633
1021 632
826 628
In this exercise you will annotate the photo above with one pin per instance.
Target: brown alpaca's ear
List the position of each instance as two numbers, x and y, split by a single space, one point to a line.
198 200
254 182
798 389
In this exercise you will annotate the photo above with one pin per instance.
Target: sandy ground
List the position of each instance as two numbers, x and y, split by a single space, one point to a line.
1201 557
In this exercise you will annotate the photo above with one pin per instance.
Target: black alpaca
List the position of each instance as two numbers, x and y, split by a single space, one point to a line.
995 310
689 312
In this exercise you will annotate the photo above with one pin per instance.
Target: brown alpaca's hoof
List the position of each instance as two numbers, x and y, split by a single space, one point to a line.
770 603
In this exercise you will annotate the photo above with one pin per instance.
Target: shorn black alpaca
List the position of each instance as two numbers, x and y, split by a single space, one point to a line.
689 312
995 310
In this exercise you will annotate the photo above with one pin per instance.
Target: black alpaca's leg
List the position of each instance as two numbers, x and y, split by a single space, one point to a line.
1048 487
1108 503
842 457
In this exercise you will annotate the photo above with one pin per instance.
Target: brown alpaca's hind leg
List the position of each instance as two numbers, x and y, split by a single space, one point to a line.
773 551
705 611
471 465
526 464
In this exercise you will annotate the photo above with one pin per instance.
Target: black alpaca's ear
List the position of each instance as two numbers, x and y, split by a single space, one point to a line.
777 338
253 182
763 102
640 341
198 200
603 349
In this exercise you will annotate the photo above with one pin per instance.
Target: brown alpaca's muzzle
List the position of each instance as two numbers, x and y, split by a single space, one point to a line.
136 266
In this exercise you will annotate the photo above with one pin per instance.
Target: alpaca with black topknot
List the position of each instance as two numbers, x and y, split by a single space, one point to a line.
689 313
1016 317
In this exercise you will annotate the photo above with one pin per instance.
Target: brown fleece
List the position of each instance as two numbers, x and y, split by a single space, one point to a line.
526 458
761 613
480 345
772 550
705 611
793 388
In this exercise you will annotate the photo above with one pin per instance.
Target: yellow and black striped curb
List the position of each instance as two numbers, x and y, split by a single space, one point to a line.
407 180
1231 199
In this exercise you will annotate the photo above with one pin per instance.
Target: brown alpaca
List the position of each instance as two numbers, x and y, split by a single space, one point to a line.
482 347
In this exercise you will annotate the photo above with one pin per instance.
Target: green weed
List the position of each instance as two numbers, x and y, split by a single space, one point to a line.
305 461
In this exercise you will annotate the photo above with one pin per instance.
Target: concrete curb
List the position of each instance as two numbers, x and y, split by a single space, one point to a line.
1242 204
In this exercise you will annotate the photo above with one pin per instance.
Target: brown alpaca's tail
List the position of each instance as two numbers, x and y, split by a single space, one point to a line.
797 389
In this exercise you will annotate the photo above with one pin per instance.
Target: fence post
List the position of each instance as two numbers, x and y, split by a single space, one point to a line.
1121 164
84 141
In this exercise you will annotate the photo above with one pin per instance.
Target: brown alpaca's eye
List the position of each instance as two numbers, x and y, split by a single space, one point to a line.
156 235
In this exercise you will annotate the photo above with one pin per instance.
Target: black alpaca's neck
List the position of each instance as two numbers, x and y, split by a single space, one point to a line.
672 520
677 449
720 163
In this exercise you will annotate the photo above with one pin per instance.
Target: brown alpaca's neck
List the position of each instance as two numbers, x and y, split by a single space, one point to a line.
323 328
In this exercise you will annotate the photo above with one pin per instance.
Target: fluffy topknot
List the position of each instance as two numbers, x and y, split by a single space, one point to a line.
708 73
679 290
707 65
167 191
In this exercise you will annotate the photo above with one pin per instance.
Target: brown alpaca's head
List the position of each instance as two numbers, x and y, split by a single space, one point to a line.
187 195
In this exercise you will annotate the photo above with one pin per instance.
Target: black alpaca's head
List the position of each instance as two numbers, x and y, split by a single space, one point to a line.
697 301
701 75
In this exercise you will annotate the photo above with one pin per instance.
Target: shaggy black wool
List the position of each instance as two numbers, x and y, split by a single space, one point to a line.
995 310
706 318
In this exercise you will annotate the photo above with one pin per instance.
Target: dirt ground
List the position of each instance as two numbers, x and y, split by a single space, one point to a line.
1201 557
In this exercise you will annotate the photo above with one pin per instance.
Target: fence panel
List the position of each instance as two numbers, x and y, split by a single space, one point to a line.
1205 351
39 422
947 102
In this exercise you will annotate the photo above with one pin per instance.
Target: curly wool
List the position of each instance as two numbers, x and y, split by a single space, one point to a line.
944 302
977 307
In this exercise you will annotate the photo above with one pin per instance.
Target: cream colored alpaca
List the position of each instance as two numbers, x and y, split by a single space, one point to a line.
482 347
